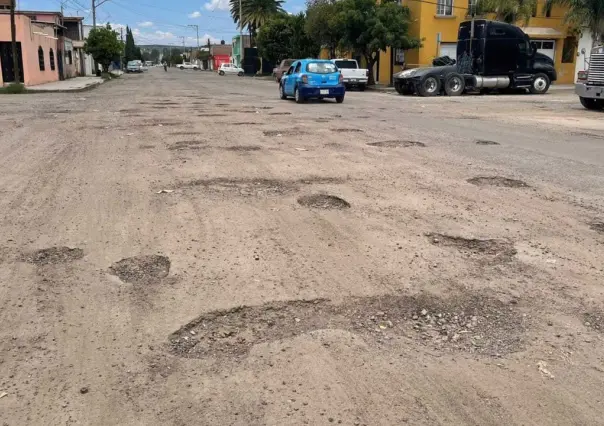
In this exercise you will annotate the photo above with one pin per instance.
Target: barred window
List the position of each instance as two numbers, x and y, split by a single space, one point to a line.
444 7
51 57
41 58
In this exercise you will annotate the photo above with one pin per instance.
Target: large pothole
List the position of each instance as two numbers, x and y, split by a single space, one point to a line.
284 132
243 148
53 255
193 144
486 142
498 181
597 226
259 187
396 144
145 269
323 201
347 130
473 323
496 249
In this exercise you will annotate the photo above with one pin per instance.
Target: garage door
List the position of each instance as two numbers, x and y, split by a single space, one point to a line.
547 47
448 49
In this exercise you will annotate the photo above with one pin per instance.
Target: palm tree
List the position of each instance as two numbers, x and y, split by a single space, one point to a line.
509 11
254 13
13 35
584 14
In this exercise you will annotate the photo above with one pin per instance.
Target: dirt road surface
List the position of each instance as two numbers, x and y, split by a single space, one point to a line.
184 249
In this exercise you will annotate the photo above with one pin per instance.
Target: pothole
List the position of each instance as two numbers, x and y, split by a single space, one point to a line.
243 148
323 201
322 120
594 320
146 146
211 115
53 255
184 133
497 181
347 130
146 269
497 249
285 132
279 113
259 187
192 144
486 142
244 123
474 323
597 226
397 144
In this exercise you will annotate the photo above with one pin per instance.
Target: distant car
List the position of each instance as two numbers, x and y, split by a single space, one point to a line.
278 71
353 75
312 78
134 66
230 69
188 66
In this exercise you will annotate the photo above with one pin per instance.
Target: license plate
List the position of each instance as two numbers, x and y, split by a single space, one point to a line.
353 80
324 91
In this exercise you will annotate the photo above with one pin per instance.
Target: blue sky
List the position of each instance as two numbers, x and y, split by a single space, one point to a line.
158 21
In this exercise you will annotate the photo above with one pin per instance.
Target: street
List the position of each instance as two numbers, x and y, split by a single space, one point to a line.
186 249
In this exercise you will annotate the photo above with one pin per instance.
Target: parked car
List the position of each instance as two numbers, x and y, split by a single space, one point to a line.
282 68
312 78
353 75
134 66
230 69
188 66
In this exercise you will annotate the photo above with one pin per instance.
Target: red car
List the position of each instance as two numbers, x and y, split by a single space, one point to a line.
282 69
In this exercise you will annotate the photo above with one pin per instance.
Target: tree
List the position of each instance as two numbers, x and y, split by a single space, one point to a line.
368 28
130 52
584 14
13 36
154 55
322 24
284 36
103 45
176 57
509 11
254 13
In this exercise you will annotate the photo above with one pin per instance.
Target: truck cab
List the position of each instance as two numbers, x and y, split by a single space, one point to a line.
590 89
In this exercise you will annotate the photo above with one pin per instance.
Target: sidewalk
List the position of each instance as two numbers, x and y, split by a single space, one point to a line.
70 85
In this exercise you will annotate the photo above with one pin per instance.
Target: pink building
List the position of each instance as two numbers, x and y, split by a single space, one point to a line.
37 44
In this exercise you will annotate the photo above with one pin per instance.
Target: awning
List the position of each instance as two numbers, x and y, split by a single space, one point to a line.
542 32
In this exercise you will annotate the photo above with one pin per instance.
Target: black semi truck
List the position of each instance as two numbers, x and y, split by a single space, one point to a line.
490 55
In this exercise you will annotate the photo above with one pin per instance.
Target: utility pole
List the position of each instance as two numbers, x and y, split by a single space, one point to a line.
123 54
197 28
95 4
241 49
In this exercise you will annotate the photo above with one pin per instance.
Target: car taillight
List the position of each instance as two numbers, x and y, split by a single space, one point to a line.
304 79
341 78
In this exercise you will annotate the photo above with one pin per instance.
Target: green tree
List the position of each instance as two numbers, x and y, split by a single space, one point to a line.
154 55
176 57
255 13
284 36
584 14
103 45
368 28
130 52
510 11
322 24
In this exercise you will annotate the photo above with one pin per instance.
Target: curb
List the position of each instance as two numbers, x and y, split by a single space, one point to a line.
82 89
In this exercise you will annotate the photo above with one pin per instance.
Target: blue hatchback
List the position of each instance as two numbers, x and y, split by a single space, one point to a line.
312 78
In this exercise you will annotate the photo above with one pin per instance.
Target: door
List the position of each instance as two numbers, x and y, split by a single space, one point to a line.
60 63
291 79
448 49
6 60
547 47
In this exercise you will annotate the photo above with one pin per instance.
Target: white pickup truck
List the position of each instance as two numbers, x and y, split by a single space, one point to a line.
188 66
351 73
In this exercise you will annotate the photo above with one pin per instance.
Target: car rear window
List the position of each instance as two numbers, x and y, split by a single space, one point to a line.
321 67
346 64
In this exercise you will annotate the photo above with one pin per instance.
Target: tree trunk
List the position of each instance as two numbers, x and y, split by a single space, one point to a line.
13 35
370 63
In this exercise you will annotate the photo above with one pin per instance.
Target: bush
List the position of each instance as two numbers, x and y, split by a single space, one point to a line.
13 89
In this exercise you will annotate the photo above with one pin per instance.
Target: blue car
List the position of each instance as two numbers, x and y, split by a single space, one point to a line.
312 78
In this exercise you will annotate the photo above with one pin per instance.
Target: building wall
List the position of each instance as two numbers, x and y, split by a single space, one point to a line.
29 47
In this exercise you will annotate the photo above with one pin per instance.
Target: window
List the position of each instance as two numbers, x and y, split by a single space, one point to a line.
348 64
547 45
472 7
297 70
568 50
444 7
41 58
51 57
321 67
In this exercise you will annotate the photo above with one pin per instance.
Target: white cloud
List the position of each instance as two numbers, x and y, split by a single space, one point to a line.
145 24
117 27
203 40
195 14
217 5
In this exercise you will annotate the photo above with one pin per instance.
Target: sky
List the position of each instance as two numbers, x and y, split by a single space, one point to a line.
158 21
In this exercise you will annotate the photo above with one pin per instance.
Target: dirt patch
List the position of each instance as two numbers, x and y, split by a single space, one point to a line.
146 146
284 132
497 181
146 269
181 145
53 255
497 249
597 226
473 323
396 144
345 130
243 148
323 201
279 113
486 142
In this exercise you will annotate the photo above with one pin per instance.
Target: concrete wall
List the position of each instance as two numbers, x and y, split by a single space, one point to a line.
30 36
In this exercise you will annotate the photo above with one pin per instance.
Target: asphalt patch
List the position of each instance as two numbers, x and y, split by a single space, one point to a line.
495 249
486 142
497 181
597 226
323 201
474 323
243 148
397 144
53 255
146 269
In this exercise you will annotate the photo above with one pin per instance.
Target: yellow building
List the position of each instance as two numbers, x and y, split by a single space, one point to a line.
436 22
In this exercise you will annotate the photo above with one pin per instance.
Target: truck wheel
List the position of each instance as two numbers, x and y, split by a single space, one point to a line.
540 84
454 84
429 86
590 103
